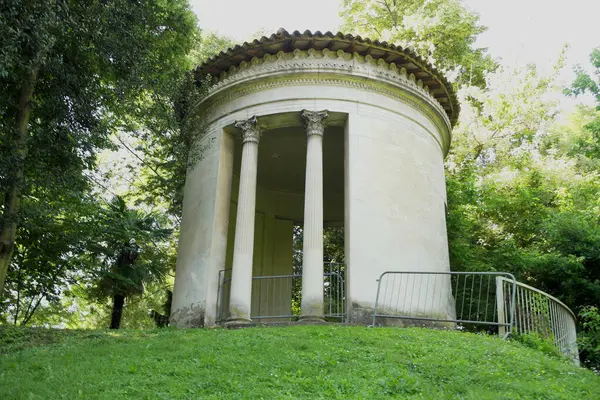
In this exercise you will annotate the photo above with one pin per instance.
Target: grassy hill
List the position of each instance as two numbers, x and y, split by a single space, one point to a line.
338 362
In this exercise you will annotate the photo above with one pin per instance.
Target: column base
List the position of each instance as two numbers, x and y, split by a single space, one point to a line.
236 322
310 319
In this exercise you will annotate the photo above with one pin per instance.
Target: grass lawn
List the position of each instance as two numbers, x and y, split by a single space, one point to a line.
340 362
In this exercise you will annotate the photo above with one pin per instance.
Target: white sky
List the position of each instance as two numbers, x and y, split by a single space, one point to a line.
519 30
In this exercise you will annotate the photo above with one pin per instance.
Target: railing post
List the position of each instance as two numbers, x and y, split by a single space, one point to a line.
513 304
500 305
377 299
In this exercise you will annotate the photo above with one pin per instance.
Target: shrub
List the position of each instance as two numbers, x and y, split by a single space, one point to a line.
537 342
589 337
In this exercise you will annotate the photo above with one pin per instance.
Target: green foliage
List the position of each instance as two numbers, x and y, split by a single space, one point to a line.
167 143
333 244
78 71
209 45
589 337
84 244
49 256
99 70
337 362
136 313
334 265
440 31
523 189
126 251
586 83
538 342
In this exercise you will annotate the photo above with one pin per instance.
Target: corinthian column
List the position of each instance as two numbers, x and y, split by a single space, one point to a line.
241 274
312 253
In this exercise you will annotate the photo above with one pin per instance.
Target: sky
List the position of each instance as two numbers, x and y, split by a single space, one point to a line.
520 31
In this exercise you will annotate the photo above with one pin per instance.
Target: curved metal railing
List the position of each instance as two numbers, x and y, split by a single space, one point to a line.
539 313
444 299
495 301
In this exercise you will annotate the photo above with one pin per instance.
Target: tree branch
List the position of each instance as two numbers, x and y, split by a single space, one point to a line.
28 316
139 158
393 15
18 302
29 307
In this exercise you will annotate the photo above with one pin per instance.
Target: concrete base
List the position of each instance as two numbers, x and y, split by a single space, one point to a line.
281 323
311 319
363 315
405 323
192 316
238 323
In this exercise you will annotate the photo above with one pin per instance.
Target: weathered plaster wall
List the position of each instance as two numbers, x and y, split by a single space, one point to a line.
395 214
203 236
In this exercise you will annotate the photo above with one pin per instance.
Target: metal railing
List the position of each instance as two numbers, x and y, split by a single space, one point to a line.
539 313
471 299
447 298
278 297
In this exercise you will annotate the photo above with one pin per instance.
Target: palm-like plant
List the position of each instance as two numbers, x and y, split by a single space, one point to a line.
129 255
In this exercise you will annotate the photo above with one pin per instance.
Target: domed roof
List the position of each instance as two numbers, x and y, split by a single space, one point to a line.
284 41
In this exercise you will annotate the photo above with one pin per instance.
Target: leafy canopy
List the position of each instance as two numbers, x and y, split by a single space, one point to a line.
443 32
73 73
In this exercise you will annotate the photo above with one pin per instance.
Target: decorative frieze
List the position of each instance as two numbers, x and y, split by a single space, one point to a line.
438 118
312 58
354 70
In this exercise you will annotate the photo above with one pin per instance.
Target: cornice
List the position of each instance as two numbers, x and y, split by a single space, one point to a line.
325 67
288 42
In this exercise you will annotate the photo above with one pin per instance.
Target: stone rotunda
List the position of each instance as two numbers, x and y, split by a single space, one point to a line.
312 130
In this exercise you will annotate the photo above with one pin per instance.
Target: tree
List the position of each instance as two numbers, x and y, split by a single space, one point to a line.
522 195
523 190
586 84
443 32
60 229
72 72
582 235
166 144
128 255
48 255
162 136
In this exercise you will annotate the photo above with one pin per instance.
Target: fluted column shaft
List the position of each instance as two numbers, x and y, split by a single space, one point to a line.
243 248
312 253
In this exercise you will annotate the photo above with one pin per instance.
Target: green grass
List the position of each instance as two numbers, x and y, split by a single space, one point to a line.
284 362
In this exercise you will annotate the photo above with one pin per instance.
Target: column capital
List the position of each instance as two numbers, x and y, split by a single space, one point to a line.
250 129
314 121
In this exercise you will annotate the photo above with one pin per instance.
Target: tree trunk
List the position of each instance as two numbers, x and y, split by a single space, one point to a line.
29 314
117 311
12 198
